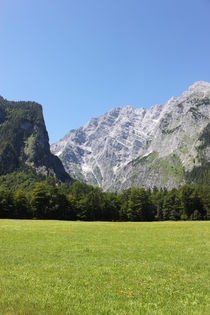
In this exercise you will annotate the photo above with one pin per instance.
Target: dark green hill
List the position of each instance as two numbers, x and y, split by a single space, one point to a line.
24 141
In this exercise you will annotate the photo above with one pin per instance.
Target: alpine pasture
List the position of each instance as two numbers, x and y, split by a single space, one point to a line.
64 267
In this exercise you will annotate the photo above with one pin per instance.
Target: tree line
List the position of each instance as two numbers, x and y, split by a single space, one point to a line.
78 201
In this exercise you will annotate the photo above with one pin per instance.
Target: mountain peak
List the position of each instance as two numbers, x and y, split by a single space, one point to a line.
131 146
199 86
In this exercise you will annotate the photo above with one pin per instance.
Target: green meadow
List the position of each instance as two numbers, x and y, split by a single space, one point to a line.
63 267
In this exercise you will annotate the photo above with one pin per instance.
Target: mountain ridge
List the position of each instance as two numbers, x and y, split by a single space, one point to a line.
102 151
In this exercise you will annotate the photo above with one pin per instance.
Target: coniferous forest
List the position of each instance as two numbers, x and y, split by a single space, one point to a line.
47 199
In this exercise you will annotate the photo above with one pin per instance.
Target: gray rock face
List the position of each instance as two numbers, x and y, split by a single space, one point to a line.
133 146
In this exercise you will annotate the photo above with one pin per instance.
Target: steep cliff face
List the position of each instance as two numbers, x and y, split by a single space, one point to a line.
24 140
179 145
97 151
164 146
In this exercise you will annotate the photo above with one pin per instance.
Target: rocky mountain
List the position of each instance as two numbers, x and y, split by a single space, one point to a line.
24 140
163 146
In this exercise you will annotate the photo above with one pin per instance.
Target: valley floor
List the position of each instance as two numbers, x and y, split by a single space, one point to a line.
55 267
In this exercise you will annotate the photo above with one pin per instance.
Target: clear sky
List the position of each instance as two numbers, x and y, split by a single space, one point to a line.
80 58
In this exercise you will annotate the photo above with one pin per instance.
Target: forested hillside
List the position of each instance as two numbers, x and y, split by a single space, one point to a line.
24 141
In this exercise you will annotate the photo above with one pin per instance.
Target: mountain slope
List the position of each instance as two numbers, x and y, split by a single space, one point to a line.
24 140
128 146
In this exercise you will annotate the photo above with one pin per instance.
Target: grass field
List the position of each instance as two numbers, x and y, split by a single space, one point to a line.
52 267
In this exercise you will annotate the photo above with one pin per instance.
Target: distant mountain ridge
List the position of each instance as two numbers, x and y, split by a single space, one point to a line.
164 146
24 141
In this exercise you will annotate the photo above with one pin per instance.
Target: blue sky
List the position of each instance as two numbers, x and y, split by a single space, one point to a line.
80 58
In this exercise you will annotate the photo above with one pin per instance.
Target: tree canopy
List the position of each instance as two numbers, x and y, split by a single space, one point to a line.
48 199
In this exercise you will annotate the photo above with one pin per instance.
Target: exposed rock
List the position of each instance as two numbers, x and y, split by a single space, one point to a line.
133 146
